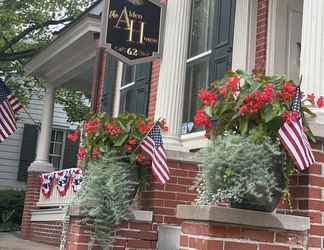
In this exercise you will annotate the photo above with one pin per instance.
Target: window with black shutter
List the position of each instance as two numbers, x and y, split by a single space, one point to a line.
134 91
109 85
28 150
210 49
62 154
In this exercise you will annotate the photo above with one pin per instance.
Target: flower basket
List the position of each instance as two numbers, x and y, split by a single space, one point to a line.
247 111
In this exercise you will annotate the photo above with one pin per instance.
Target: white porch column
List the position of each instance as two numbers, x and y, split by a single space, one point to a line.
170 95
312 47
41 163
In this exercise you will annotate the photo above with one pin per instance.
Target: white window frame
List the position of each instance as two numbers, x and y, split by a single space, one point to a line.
63 146
243 56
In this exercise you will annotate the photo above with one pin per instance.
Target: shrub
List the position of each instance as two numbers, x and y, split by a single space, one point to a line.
11 209
235 168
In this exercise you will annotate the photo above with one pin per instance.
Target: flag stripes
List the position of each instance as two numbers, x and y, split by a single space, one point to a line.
9 106
153 146
294 139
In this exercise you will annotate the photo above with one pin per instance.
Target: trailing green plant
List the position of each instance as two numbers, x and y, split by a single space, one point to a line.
11 209
235 168
106 194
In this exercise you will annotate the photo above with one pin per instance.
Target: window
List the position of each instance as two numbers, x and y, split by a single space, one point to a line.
209 52
57 145
134 88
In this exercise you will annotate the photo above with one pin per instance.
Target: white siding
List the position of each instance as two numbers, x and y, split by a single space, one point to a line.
10 148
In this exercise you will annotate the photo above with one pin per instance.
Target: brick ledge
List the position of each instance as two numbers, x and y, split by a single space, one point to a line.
243 217
317 124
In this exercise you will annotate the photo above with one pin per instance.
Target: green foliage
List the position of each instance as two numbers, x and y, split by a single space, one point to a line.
107 191
26 26
11 209
234 167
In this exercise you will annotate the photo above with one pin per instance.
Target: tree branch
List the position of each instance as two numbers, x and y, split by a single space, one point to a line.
30 29
5 57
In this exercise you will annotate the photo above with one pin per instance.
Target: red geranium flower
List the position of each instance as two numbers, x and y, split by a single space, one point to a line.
233 83
140 158
207 97
311 98
143 127
201 119
288 92
81 154
223 91
132 141
113 131
95 153
320 102
92 126
74 136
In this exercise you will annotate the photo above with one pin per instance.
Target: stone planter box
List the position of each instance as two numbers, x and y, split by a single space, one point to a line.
219 228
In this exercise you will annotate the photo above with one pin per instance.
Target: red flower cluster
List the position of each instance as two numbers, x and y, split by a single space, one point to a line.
143 127
207 97
320 102
223 91
201 119
254 102
74 136
233 83
311 98
140 158
288 92
290 116
95 153
81 154
113 131
132 141
92 126
163 125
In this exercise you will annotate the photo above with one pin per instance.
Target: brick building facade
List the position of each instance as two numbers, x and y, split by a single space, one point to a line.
169 92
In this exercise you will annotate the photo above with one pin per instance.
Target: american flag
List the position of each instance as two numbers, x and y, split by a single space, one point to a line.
294 139
9 106
153 145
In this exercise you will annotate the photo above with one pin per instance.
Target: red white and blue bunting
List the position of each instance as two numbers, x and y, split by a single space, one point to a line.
62 180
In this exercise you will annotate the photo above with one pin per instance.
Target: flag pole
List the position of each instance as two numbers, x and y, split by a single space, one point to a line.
147 133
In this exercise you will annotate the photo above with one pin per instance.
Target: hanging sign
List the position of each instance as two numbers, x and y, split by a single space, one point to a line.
132 29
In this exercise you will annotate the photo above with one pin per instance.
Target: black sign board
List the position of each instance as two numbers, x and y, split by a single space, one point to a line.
132 30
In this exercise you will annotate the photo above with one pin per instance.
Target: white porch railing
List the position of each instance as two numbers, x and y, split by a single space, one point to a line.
55 199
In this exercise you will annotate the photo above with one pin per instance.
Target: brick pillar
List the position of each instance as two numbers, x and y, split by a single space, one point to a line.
31 198
307 190
163 199
98 78
261 35
153 88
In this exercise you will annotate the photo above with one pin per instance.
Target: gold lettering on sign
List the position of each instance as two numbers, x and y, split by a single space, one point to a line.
123 18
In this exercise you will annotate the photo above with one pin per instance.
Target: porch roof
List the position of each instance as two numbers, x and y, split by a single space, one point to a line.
68 60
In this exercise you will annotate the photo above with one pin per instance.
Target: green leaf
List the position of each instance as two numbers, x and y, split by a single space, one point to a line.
244 125
209 111
266 114
121 140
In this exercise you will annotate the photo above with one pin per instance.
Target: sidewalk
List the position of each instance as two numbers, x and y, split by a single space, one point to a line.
12 241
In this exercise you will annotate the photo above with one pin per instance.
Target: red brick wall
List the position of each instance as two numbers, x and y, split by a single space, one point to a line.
153 88
129 236
48 232
163 199
307 197
261 35
31 198
210 236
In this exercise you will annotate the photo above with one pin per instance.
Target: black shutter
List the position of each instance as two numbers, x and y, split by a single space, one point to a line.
70 154
28 150
135 98
109 85
222 42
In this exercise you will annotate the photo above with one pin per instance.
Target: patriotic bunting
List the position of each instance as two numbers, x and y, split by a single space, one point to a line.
62 179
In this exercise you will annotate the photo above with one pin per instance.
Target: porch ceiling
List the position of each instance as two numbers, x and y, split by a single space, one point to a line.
67 61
